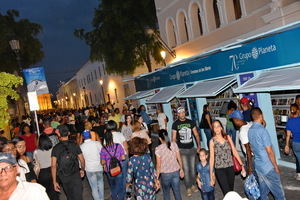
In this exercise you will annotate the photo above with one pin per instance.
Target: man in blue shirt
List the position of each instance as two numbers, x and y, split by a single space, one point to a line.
265 164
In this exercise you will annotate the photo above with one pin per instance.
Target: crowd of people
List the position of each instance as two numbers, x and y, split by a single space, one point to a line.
98 141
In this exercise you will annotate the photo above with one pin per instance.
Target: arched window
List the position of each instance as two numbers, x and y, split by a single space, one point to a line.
182 28
171 35
237 9
196 22
216 13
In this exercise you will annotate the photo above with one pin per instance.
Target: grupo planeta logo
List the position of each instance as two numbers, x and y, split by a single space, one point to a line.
240 59
255 53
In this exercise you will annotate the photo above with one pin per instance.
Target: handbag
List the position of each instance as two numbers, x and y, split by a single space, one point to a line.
236 165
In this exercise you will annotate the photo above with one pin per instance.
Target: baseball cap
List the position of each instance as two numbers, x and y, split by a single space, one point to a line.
245 100
180 109
86 134
7 158
236 114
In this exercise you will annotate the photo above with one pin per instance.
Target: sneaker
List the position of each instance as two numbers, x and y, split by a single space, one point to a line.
194 188
189 192
298 176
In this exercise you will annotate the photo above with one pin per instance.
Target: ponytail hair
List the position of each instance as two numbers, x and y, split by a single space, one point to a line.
163 135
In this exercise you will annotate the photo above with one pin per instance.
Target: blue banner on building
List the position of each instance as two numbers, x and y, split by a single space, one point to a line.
36 80
269 52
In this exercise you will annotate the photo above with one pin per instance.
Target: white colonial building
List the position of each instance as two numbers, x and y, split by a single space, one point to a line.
91 86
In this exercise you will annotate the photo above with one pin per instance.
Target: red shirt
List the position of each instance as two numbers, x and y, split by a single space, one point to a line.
30 142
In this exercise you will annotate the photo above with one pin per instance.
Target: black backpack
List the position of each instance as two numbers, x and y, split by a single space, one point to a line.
67 162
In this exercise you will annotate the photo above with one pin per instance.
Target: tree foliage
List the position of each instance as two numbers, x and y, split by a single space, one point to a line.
123 35
8 83
24 31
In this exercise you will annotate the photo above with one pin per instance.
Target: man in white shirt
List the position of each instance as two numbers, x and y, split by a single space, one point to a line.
12 188
162 119
94 170
243 127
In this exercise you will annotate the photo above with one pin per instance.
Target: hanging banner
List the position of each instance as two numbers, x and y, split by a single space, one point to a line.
36 80
274 50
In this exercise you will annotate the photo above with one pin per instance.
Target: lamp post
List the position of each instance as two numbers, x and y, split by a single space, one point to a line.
103 97
15 46
163 55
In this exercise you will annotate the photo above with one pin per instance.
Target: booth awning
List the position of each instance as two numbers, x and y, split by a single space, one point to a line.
208 88
140 95
274 80
166 94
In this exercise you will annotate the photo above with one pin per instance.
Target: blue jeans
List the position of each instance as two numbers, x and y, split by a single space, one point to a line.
207 132
171 180
117 188
124 170
232 133
296 150
270 182
188 157
96 182
208 195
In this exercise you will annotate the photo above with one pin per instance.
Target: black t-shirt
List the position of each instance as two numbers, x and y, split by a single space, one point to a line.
61 146
99 130
204 122
184 136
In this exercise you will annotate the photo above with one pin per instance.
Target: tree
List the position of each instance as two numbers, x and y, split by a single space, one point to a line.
8 83
26 32
124 35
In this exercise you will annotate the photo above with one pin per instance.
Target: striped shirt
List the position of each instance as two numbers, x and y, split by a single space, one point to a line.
104 155
168 157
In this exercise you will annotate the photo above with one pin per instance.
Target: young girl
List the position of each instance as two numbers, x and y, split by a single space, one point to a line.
204 178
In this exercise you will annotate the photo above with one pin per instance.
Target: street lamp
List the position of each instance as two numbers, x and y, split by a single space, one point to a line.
163 54
15 46
103 97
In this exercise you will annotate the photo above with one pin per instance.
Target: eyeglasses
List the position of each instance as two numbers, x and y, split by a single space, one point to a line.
6 169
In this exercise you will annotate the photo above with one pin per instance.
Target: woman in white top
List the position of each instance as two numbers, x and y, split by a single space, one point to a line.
127 127
42 156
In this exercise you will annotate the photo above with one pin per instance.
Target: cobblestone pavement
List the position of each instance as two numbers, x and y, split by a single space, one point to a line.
291 188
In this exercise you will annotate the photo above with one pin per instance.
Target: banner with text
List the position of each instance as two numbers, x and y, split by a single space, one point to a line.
36 80
273 51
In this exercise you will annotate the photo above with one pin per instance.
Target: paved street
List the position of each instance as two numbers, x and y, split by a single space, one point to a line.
291 187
